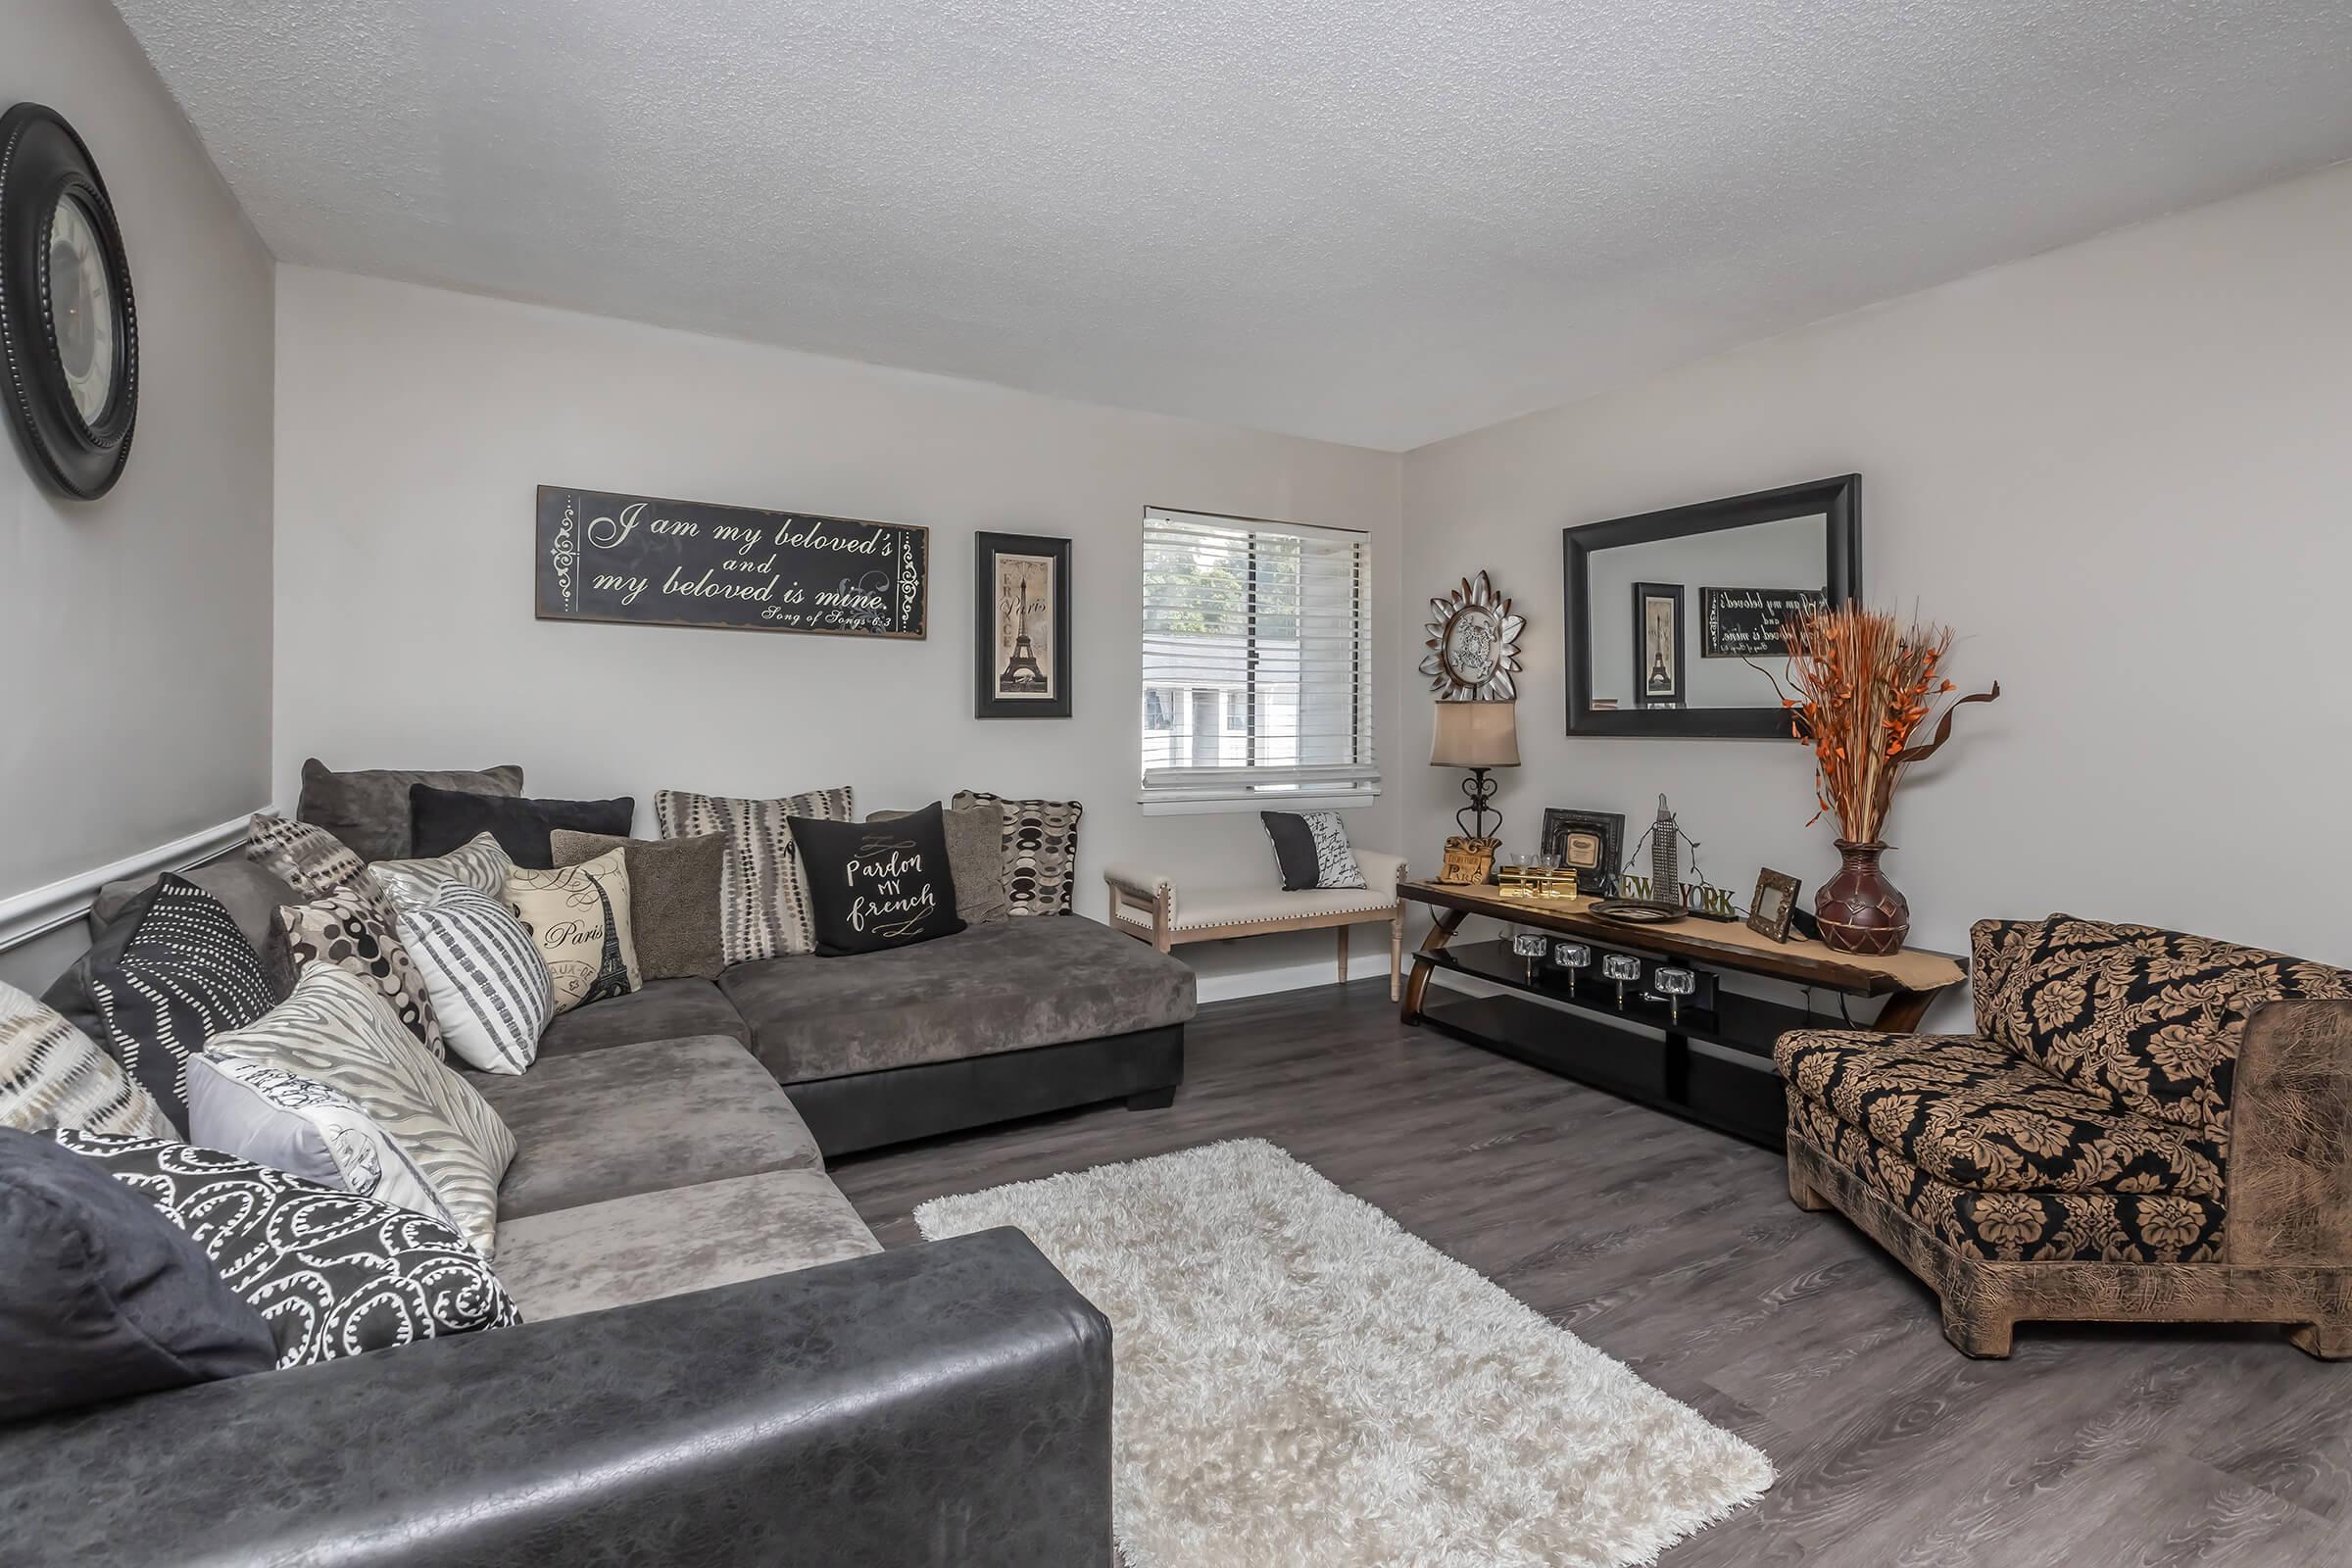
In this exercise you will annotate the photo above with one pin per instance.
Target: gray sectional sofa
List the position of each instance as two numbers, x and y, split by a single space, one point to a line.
719 1364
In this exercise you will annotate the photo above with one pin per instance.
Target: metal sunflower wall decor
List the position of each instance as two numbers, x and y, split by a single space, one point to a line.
1473 645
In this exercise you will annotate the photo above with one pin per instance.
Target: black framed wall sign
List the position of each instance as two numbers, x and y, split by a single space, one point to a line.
1747 562
604 556
1022 620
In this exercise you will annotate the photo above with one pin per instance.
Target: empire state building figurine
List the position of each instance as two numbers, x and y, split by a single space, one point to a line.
1021 673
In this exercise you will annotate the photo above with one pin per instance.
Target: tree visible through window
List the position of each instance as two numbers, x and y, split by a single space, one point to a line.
1265 623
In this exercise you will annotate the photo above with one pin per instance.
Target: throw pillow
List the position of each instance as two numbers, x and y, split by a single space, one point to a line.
876 885
1310 849
304 1128
333 1274
250 894
309 859
975 859
338 1029
673 898
764 900
479 863
53 1075
443 819
578 916
172 971
354 930
103 1296
368 810
482 969
1040 842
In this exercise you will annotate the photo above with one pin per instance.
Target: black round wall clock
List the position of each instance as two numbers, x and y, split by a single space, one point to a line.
66 320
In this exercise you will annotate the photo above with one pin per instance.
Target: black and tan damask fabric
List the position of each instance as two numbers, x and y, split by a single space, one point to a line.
333 1274
2148 1019
1974 1115
2123 1227
1041 849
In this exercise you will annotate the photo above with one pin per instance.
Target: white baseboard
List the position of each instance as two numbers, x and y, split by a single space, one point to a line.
26 915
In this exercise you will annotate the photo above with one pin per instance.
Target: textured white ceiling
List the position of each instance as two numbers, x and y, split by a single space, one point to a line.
1380 224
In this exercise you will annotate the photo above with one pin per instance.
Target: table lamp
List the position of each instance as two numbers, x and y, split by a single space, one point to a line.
1478 736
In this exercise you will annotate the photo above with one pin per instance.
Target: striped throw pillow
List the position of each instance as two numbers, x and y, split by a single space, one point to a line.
481 967
338 1029
52 1075
764 897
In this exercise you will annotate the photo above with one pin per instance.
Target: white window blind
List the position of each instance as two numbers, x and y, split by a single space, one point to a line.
1256 661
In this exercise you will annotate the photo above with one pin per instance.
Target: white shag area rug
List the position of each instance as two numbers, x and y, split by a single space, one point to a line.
1300 1381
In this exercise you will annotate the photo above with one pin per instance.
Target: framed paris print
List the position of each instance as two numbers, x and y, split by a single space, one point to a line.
1021 619
1658 643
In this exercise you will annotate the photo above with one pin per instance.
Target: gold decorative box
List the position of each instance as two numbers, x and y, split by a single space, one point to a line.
1553 884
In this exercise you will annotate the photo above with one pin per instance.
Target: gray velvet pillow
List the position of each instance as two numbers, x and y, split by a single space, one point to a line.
249 893
975 859
103 1296
673 898
369 810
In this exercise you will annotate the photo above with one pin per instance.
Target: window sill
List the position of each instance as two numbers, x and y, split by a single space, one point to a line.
1260 802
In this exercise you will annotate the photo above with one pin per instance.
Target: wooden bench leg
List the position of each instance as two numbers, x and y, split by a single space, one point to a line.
1343 930
1396 954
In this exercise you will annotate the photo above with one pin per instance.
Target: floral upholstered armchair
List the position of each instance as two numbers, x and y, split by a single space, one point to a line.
2146 1126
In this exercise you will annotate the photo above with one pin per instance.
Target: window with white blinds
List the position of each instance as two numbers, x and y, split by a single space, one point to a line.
1256 661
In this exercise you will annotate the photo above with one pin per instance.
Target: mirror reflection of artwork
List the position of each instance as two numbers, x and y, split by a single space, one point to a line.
1025 627
1658 643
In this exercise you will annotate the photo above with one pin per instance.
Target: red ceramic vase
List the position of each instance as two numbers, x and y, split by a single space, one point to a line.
1859 909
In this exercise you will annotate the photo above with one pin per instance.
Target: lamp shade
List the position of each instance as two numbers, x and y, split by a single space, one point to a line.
1475 735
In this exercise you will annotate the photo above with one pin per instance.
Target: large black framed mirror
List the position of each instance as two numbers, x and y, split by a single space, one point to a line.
1666 610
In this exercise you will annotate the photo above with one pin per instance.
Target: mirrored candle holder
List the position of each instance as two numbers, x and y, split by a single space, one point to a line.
1673 985
1621 968
1575 957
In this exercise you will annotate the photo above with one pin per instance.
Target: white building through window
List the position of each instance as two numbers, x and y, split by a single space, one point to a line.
1257 663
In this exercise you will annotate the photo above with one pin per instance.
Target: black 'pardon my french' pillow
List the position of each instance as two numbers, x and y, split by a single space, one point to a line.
876 885
101 1295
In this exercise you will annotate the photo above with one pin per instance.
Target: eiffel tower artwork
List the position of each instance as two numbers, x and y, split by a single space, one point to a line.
1021 675
611 969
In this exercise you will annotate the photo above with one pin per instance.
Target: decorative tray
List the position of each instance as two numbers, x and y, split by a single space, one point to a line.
1639 912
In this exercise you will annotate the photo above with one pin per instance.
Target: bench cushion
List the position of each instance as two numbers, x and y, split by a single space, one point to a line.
1972 1115
2021 1227
660 1010
642 1118
1005 986
1209 907
667 1244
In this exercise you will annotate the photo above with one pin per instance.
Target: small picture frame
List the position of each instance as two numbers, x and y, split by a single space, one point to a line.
1022 620
1592 843
1658 643
1774 904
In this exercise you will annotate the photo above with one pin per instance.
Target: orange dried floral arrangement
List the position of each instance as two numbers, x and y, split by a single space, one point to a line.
1864 685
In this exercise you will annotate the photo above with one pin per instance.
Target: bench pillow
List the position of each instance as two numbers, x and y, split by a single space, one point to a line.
1310 851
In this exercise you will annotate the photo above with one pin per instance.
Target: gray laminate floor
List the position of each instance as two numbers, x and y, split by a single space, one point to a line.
1677 1250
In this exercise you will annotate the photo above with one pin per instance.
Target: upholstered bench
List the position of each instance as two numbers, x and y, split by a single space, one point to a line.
2146 1127
1150 907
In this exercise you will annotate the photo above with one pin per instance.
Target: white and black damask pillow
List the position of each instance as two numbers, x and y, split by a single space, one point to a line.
1310 851
334 1274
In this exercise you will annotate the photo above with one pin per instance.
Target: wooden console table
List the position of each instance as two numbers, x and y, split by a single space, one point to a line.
1712 1065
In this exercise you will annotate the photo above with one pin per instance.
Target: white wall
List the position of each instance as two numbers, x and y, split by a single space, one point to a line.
135 629
413 426
2122 470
